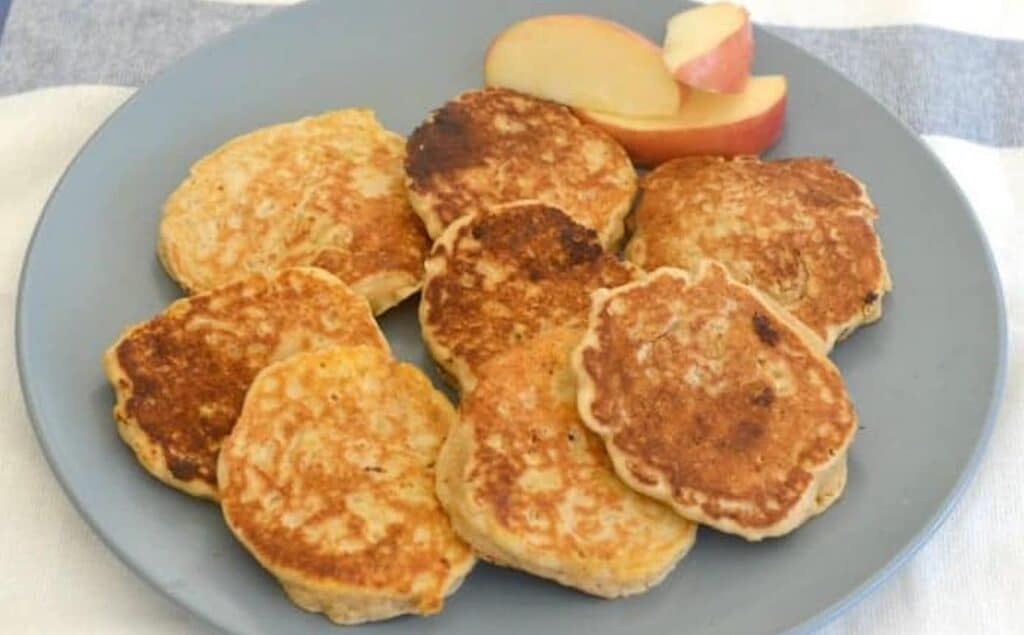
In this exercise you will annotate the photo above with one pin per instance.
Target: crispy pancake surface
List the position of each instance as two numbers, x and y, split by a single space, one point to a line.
181 376
496 279
328 480
326 191
530 487
713 399
494 145
800 230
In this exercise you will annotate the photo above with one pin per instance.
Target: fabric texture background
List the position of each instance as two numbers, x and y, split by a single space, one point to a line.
953 71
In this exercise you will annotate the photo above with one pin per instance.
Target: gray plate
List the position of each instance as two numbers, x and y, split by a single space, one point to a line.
926 380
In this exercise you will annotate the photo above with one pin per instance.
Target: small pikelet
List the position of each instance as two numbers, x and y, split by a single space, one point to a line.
328 481
800 230
715 400
494 145
497 278
326 191
530 487
181 376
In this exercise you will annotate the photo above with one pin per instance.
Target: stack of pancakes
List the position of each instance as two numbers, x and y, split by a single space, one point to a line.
608 404
271 388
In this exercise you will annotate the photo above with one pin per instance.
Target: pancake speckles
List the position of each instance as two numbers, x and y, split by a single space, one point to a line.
328 480
799 230
733 416
181 376
497 279
493 146
326 191
528 486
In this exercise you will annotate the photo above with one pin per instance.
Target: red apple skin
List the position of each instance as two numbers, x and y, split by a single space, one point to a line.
723 69
650 148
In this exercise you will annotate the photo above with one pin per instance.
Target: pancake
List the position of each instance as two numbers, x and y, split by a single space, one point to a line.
494 145
496 279
530 487
181 376
712 398
800 230
326 191
328 480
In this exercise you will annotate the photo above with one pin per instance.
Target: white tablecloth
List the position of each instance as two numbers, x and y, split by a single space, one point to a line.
56 576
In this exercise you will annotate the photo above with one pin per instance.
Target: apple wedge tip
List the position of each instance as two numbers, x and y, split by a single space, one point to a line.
710 48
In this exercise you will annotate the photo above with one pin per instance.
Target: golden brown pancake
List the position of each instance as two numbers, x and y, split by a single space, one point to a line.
712 398
494 145
328 480
530 487
326 191
181 376
496 279
800 230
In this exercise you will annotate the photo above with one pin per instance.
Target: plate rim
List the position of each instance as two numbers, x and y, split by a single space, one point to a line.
818 620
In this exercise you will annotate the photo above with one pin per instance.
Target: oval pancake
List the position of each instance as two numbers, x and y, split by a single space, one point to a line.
713 399
530 487
181 376
496 279
494 145
800 230
328 480
326 191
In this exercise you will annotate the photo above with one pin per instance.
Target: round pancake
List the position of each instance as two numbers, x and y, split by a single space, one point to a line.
328 480
497 279
713 399
494 145
326 191
181 376
530 487
799 230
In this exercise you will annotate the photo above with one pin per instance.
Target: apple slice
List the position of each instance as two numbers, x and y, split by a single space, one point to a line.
710 47
708 123
585 62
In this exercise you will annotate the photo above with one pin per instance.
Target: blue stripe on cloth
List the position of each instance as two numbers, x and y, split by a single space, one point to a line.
5 7
938 81
121 42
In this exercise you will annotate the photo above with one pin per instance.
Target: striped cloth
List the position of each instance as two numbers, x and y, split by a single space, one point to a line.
65 65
